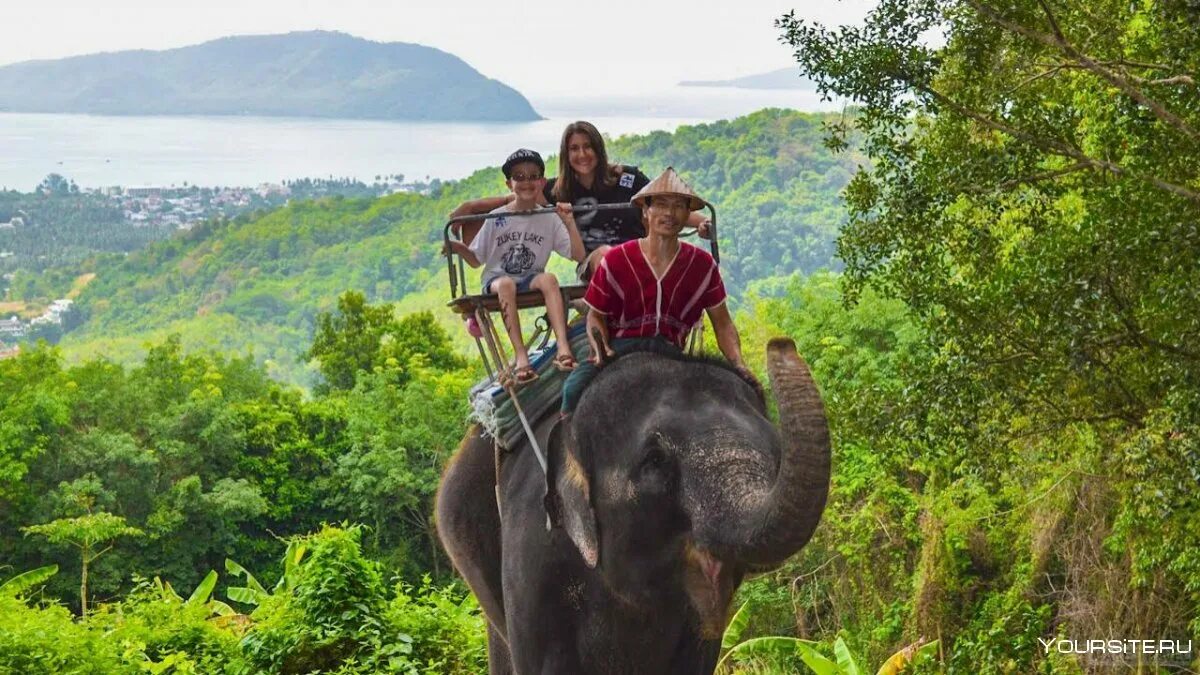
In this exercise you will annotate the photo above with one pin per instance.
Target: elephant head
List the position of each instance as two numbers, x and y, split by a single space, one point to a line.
671 478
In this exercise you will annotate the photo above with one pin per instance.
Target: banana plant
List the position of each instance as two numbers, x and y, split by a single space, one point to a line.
200 597
253 593
27 580
844 663
776 648
771 648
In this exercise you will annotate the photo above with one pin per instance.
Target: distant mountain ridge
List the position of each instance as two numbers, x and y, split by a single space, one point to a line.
304 74
784 78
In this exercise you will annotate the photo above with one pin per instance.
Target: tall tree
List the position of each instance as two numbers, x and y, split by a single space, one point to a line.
87 533
1034 198
347 341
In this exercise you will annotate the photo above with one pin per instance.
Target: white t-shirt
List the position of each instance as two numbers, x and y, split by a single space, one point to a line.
519 246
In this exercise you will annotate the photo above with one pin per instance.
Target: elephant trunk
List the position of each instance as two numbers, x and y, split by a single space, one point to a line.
771 524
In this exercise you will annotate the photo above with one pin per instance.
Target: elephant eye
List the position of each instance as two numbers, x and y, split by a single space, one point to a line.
656 457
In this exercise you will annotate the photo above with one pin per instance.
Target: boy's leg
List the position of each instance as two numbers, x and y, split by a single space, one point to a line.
505 289
548 285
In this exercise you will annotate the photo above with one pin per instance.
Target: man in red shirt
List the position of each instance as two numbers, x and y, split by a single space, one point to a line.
648 293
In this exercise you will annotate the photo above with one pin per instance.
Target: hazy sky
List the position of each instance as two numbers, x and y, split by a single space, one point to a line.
539 47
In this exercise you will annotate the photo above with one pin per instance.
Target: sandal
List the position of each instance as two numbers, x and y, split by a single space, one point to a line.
565 363
524 375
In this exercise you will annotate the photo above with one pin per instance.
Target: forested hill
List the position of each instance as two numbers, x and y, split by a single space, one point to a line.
311 74
257 283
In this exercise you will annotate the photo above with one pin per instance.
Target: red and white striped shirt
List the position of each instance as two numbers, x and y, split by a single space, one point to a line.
638 304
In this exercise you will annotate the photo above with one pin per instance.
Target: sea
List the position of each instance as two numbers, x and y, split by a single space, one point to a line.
131 151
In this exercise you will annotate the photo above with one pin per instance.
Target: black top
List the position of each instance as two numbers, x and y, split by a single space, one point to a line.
598 228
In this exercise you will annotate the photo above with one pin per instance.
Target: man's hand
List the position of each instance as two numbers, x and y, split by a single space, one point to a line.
597 332
751 379
704 229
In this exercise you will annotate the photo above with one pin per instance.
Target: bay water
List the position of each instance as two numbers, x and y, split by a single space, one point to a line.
102 151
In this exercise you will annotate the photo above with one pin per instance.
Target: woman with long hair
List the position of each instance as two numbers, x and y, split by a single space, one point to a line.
585 178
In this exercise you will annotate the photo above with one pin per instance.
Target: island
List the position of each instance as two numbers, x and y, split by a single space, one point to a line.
302 74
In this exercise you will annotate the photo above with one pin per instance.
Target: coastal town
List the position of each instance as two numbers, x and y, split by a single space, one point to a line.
183 206
14 331
38 231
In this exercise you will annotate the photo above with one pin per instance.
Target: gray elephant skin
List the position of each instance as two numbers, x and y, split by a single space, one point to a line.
667 487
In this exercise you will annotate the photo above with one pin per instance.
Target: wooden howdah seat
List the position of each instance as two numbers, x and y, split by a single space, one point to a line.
466 304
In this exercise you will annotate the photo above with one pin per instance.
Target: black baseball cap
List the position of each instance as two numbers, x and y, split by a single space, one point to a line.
522 155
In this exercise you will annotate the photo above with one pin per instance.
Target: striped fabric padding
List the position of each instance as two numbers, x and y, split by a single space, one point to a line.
493 408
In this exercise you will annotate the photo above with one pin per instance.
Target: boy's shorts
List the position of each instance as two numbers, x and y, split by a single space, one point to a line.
522 283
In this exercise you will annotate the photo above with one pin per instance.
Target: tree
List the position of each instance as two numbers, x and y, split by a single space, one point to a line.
54 184
362 338
1032 198
86 533
347 341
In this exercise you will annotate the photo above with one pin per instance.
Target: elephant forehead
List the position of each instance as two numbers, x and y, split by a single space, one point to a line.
724 472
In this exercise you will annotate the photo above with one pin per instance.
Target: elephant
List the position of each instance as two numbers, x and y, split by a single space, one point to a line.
666 487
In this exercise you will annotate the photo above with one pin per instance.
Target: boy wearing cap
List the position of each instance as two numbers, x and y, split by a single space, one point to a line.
514 251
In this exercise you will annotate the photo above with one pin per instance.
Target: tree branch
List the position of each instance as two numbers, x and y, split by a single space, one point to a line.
1057 147
1058 41
1035 178
1030 80
102 552
1123 63
1178 79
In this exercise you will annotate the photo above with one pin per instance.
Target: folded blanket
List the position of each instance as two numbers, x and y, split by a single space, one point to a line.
493 409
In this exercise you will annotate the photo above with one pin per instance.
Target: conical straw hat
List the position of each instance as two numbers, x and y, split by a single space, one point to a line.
669 183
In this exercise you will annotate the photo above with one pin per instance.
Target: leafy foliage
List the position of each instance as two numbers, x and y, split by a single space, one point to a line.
333 614
206 455
22 582
1031 201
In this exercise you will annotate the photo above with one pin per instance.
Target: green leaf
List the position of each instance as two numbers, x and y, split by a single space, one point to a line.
845 660
816 662
737 626
221 609
237 570
166 591
248 596
203 591
291 563
26 580
770 648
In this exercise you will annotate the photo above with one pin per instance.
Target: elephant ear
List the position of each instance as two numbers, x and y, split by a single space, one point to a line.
568 501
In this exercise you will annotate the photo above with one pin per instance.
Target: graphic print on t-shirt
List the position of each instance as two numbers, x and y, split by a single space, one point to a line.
611 227
518 260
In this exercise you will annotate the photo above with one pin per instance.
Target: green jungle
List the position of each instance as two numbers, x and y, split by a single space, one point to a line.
990 263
